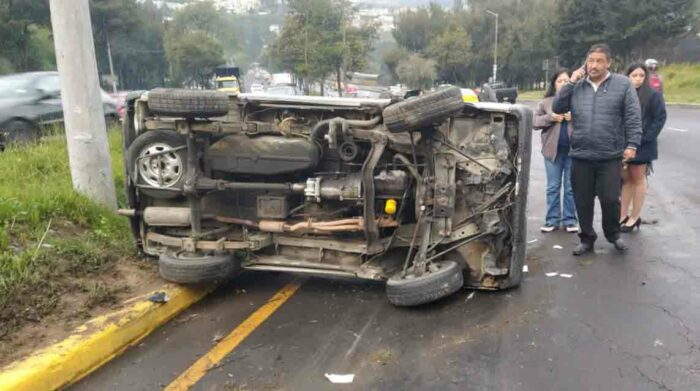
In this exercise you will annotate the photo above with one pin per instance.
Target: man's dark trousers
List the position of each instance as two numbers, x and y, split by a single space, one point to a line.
597 178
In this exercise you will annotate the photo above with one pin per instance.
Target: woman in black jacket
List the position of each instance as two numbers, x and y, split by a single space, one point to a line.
635 172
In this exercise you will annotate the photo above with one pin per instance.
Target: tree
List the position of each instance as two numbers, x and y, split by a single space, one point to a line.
193 56
416 29
417 72
635 25
198 16
391 59
318 39
451 50
192 46
23 25
134 34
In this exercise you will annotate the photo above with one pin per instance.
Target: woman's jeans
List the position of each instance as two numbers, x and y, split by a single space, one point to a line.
558 174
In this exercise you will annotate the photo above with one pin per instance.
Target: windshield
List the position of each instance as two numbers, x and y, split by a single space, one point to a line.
227 84
14 86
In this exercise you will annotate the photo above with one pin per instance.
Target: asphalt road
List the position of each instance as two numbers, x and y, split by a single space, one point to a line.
619 323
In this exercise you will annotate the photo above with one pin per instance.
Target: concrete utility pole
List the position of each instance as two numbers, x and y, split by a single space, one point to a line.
88 150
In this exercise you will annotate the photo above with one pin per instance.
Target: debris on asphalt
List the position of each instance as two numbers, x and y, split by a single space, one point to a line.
525 269
471 295
185 319
217 338
564 275
159 297
644 282
552 274
340 379
658 343
558 247
532 241
382 357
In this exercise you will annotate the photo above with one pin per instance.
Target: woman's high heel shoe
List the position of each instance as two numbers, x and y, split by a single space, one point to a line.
629 228
623 221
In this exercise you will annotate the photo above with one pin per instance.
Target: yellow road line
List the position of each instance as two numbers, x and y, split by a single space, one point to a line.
200 368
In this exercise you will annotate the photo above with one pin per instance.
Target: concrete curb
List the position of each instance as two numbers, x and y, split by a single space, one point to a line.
96 342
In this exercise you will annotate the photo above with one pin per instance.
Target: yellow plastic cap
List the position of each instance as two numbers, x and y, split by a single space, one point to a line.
390 207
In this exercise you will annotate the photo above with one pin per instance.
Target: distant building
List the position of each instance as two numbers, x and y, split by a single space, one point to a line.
383 17
172 5
239 6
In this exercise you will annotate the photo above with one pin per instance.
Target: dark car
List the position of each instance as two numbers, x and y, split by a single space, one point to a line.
505 93
29 102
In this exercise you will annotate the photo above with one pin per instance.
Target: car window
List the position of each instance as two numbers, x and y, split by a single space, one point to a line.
48 84
14 86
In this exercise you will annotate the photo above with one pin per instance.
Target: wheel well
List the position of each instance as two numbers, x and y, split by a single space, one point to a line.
22 119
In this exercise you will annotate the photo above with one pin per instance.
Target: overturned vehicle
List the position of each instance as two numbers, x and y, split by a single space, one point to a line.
427 194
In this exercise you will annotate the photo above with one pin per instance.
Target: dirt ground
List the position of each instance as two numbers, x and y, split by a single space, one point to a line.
78 300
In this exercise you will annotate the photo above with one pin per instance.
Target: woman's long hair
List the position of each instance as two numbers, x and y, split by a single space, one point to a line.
644 92
552 89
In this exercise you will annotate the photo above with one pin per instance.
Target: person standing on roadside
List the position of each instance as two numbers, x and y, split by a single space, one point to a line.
634 175
556 136
607 129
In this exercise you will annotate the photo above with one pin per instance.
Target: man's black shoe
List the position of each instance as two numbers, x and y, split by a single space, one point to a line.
583 248
620 245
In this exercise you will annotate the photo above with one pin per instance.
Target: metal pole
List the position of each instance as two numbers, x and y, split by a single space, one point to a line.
495 47
495 53
111 67
86 134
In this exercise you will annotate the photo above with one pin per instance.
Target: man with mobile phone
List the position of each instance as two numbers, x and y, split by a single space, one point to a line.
607 130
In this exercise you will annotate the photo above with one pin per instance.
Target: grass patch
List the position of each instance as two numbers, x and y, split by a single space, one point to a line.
681 83
531 95
50 236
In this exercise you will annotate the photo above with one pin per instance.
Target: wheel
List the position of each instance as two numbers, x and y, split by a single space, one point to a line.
187 103
424 111
414 290
157 159
183 268
17 132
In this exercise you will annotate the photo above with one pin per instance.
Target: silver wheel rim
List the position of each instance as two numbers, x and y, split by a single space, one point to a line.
159 168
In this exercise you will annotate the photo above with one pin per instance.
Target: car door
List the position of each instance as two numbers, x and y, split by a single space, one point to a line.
48 103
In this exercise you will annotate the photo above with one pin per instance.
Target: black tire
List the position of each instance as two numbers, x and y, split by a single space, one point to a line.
427 110
187 103
154 141
183 268
405 292
18 133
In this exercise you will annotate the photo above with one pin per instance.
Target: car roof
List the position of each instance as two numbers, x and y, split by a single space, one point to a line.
32 75
35 74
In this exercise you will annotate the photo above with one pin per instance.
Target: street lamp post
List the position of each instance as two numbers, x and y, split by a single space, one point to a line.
495 46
